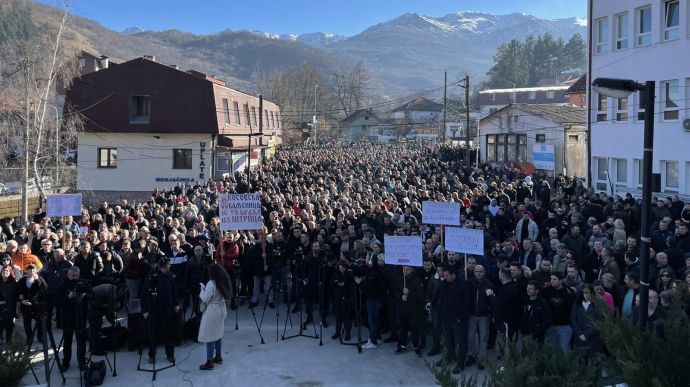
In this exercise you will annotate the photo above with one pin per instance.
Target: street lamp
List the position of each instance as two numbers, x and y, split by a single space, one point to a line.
622 88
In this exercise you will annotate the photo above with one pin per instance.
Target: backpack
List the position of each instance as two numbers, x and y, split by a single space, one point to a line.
95 373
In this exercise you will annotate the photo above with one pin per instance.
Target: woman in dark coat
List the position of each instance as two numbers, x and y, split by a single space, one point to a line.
585 334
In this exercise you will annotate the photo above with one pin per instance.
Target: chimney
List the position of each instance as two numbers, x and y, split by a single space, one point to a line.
176 67
149 57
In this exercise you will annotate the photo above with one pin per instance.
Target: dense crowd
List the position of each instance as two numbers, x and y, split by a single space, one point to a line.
557 255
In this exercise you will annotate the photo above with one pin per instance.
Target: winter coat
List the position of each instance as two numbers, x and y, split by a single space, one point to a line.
581 321
536 318
24 260
212 323
479 304
532 229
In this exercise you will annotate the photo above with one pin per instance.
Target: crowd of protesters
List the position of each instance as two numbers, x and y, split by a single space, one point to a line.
557 254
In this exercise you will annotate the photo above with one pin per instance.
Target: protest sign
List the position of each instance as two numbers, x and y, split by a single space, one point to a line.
240 212
403 250
63 205
446 213
464 240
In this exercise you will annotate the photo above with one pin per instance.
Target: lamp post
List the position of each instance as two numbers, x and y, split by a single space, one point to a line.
622 88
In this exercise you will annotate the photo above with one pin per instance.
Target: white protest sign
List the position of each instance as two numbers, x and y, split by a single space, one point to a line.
240 212
403 250
464 240
63 205
446 213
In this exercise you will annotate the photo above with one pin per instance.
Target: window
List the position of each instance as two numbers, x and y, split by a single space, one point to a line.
492 110
602 174
226 111
490 147
266 117
513 97
82 64
506 148
602 35
509 121
253 116
622 109
602 107
671 20
500 122
139 109
532 95
182 159
278 119
492 97
540 138
670 176
644 26
247 121
638 173
622 31
621 171
273 120
236 110
107 157
640 105
671 99
550 94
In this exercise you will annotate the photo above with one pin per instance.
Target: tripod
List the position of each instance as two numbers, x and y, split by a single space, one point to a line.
358 313
302 326
275 283
110 309
41 321
152 295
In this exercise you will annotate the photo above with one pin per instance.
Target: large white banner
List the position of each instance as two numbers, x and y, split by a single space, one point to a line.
464 240
403 250
240 212
63 205
446 213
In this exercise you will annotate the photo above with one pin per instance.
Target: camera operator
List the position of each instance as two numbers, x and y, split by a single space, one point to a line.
160 304
72 299
32 293
311 278
55 273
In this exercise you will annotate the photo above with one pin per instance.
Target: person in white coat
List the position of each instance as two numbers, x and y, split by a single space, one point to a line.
212 325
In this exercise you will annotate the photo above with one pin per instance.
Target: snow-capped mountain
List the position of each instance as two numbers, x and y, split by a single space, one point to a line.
132 30
319 39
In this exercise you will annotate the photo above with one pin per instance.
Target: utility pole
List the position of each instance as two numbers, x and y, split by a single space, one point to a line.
467 129
313 119
445 105
249 146
25 177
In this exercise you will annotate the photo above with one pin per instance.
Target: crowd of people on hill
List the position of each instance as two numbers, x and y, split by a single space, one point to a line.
557 255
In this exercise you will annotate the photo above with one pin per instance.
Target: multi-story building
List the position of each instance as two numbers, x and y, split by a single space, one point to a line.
150 125
492 100
641 40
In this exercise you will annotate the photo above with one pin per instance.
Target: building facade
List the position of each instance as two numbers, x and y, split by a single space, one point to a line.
149 125
492 100
510 135
642 40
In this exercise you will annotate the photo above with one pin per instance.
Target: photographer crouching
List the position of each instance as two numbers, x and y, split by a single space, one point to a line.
160 305
73 297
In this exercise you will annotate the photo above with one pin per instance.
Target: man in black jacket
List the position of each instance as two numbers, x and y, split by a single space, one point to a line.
160 305
478 321
410 297
452 299
536 314
505 304
73 297
89 263
32 293
560 299
342 285
431 291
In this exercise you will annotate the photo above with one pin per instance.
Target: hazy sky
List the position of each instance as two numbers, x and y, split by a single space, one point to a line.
346 17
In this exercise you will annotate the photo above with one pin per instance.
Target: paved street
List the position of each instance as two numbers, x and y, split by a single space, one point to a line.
295 362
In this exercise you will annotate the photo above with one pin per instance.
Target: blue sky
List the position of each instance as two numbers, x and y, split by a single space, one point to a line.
346 17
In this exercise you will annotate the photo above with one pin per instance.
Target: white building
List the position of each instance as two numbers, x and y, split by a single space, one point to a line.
509 135
642 40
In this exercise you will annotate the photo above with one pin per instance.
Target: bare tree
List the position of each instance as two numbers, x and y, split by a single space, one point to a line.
350 85
29 75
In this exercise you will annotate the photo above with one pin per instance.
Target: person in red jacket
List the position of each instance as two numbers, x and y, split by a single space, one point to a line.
227 255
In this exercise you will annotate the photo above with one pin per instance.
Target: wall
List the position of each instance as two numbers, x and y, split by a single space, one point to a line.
11 206
144 162
530 126
659 61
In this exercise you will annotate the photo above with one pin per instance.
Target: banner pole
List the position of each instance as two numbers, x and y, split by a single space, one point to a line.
465 266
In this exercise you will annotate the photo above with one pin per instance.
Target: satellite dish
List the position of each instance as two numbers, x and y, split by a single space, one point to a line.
686 124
